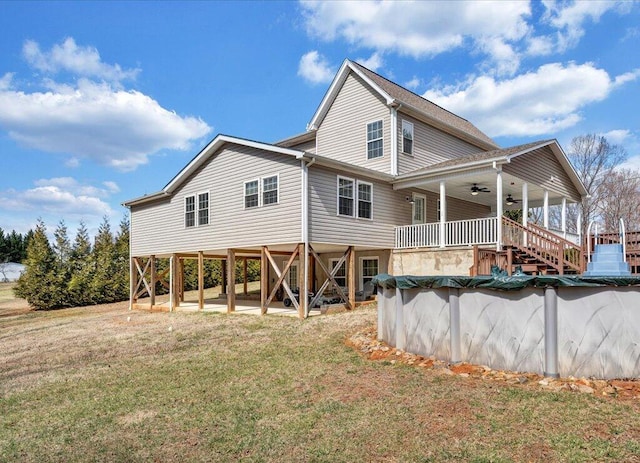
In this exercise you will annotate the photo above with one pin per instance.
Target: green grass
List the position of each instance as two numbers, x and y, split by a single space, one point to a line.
92 386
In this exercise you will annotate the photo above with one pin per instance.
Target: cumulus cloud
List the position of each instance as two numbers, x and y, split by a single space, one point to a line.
544 101
59 197
315 69
374 62
68 56
423 29
91 119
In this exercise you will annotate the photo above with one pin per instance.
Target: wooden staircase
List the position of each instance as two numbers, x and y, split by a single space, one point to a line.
534 249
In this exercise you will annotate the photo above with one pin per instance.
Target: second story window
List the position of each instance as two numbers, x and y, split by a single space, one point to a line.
270 190
251 196
345 196
364 200
203 209
355 198
407 137
190 211
374 140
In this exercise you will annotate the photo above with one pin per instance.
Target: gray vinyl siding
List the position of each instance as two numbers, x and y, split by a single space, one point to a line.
390 208
457 209
158 227
430 146
308 146
342 135
539 167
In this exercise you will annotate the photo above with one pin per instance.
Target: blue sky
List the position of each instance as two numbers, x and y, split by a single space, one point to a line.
101 102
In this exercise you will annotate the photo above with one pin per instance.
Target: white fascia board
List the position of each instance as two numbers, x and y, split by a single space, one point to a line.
335 87
451 169
214 145
145 199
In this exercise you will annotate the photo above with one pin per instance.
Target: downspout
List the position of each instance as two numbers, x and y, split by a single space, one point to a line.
393 114
304 223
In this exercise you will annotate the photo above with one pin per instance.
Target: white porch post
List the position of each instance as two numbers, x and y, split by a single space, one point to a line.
499 209
564 218
579 227
525 204
545 210
443 214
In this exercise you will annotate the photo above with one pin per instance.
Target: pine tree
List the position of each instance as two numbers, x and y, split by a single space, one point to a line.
81 269
62 251
121 277
104 263
36 284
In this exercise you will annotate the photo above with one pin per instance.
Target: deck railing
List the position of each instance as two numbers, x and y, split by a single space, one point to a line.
457 233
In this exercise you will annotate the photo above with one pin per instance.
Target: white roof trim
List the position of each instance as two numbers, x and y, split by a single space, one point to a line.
203 155
334 88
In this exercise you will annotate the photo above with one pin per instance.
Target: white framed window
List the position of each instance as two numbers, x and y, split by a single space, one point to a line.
341 274
190 211
292 274
251 194
419 209
203 208
355 198
407 137
346 188
365 200
374 140
270 190
368 269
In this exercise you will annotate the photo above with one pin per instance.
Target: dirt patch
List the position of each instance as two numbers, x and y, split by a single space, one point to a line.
366 342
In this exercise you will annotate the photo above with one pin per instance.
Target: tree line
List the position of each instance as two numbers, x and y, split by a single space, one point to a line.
13 246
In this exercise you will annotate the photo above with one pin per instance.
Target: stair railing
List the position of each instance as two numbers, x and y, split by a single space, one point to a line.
623 240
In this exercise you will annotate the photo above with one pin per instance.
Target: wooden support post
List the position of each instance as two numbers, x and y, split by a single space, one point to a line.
223 275
264 281
231 281
311 273
302 277
509 260
181 279
152 294
133 283
200 280
244 276
175 281
351 272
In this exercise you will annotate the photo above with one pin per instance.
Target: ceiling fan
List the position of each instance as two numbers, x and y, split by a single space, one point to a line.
509 200
475 189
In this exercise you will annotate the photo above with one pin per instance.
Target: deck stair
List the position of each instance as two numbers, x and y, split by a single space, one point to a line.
608 260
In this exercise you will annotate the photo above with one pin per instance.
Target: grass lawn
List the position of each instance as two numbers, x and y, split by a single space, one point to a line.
105 384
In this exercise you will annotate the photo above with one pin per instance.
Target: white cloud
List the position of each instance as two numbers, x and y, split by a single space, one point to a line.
617 137
81 61
111 186
421 28
374 62
88 119
59 197
413 84
540 102
314 68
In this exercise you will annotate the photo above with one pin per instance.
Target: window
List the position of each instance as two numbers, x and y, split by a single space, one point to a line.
364 200
203 209
341 273
251 196
190 211
270 190
347 205
368 269
345 196
292 274
407 137
374 140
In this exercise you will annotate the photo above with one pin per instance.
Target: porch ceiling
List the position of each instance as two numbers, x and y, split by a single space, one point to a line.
459 186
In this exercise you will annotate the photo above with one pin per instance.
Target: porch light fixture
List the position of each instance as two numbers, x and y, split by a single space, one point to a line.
510 200
474 192
410 199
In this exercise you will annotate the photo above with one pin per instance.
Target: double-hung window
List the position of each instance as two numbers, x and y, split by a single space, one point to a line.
203 209
190 211
374 140
261 192
368 269
407 137
341 273
355 198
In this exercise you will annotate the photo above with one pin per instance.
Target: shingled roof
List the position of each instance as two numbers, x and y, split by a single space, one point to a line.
423 105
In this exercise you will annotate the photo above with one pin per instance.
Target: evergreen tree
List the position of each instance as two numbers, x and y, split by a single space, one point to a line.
25 242
80 269
36 284
15 245
104 264
121 277
62 251
3 247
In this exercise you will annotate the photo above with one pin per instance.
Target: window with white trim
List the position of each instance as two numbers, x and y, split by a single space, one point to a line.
190 211
203 208
419 208
251 195
364 200
355 198
368 269
341 273
270 190
374 140
407 137
345 196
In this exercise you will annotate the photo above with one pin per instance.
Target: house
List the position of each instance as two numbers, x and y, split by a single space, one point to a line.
382 180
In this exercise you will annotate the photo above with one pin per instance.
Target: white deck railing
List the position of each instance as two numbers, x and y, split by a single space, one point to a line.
457 233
